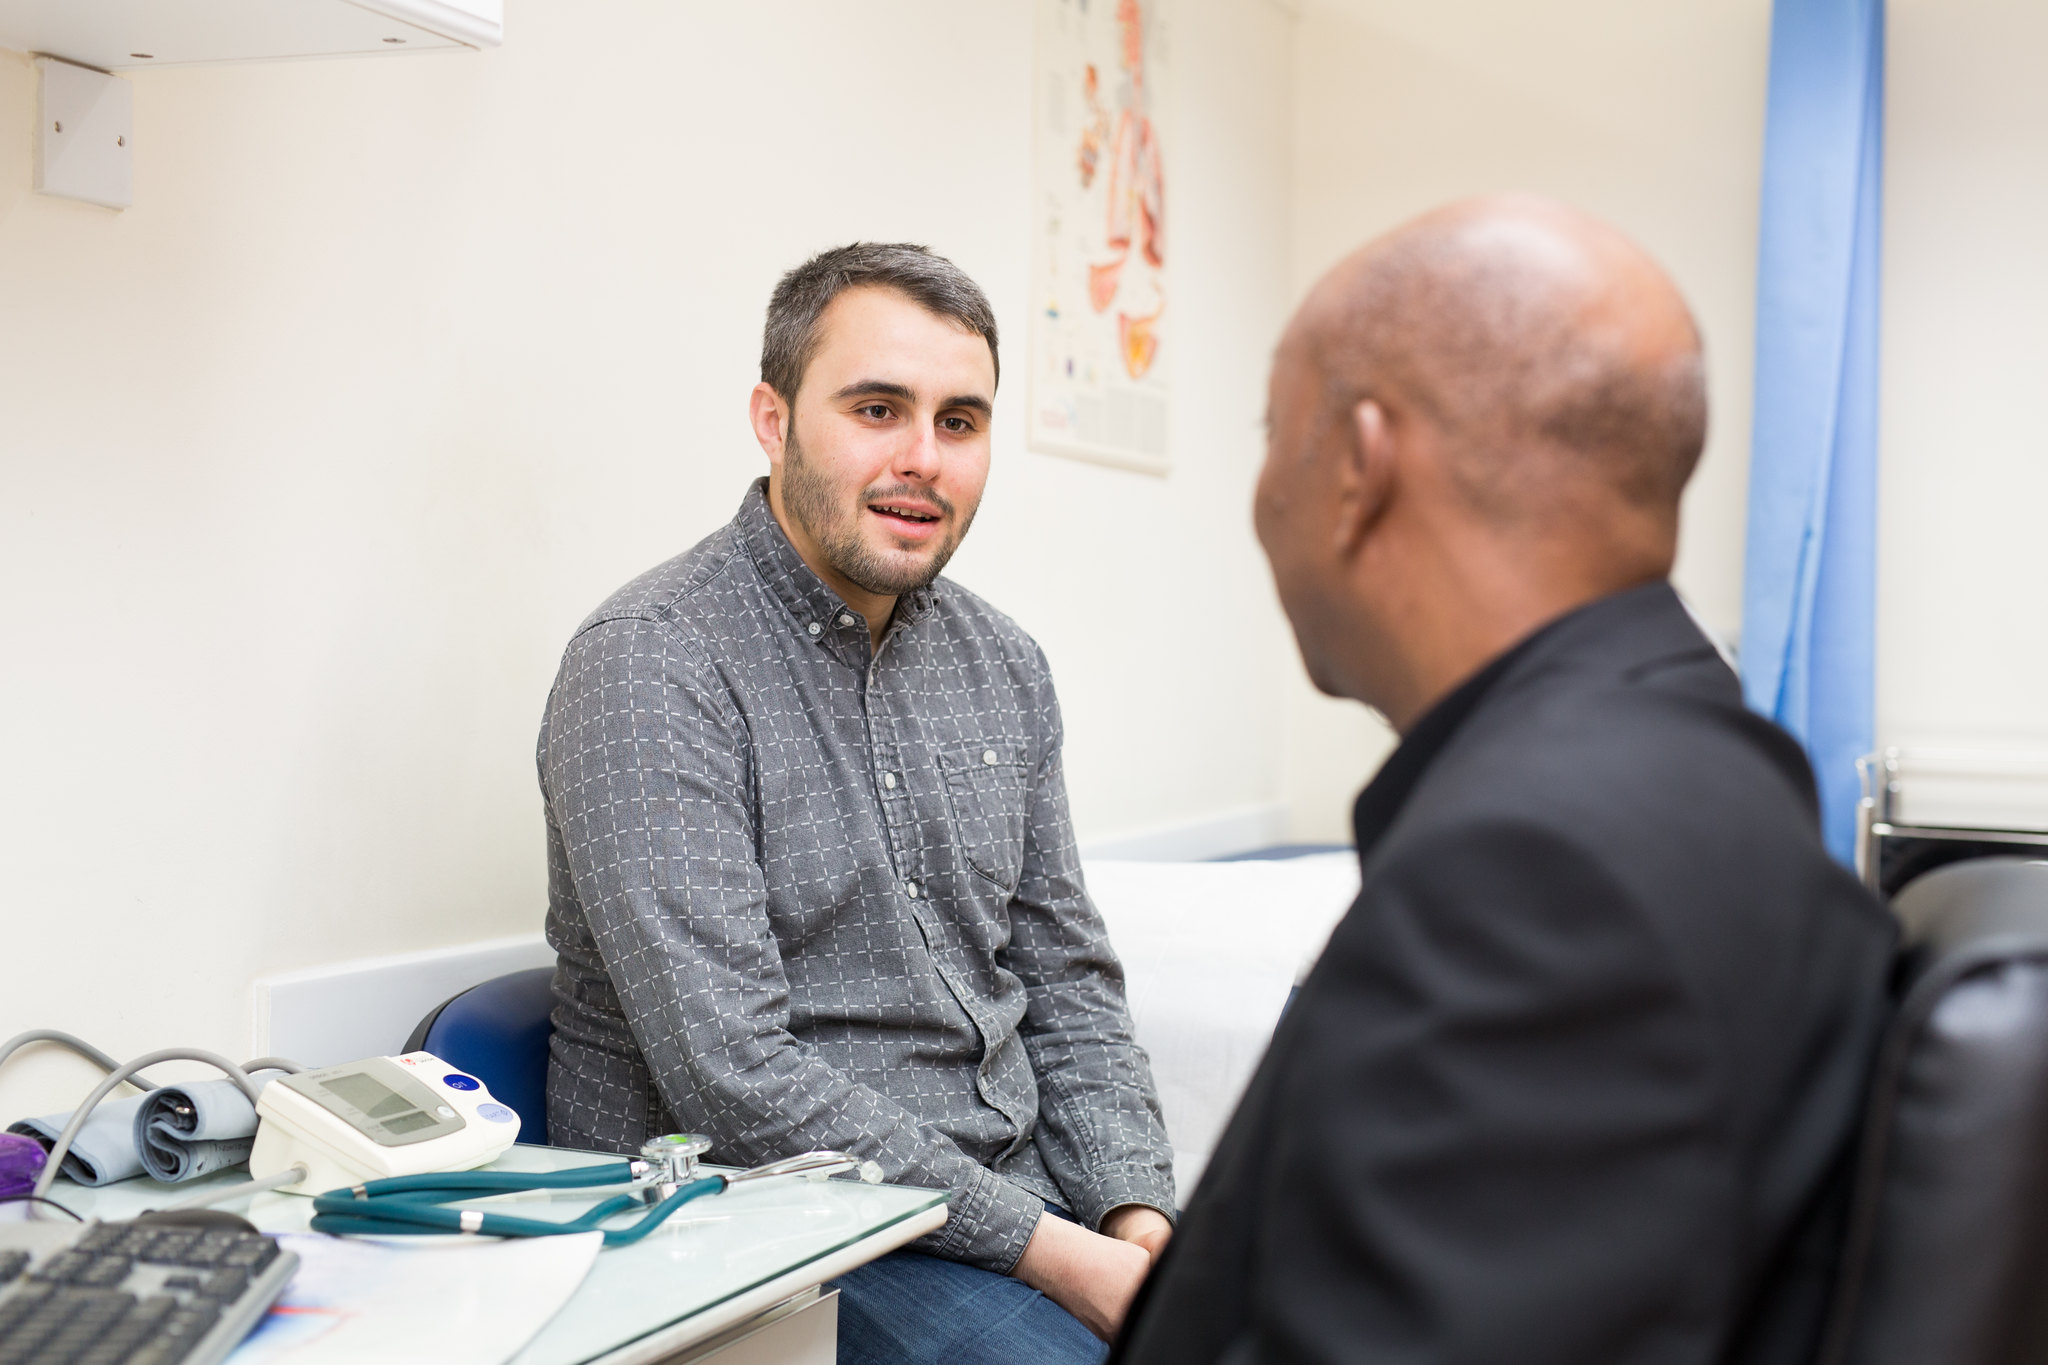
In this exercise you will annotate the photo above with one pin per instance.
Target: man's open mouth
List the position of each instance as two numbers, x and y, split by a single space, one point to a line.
917 516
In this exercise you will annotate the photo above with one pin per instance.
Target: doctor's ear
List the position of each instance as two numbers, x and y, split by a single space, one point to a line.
770 418
1364 473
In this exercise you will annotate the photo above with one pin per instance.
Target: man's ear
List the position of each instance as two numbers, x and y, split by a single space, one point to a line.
770 418
1364 475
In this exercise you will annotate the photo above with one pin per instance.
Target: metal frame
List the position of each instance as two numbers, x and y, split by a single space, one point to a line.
1881 774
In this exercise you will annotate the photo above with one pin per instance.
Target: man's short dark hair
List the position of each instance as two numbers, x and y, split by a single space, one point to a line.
929 280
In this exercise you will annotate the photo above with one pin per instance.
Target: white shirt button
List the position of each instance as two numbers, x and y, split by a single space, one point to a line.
889 781
815 629
844 619
910 890
988 756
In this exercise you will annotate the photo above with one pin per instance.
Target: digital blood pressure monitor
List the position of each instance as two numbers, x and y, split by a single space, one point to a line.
379 1117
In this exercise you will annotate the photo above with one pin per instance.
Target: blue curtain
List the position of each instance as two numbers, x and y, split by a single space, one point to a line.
1809 582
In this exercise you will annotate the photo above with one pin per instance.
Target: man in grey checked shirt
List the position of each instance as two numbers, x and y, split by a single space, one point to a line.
812 879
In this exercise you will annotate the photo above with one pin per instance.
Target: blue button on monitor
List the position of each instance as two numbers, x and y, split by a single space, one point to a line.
496 1113
455 1080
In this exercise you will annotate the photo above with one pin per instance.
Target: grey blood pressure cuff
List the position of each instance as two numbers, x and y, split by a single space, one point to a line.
189 1130
103 1151
172 1133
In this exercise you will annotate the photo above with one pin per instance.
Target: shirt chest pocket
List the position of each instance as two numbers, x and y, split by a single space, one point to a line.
987 786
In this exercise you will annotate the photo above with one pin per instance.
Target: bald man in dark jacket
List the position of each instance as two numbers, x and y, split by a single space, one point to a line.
1578 1076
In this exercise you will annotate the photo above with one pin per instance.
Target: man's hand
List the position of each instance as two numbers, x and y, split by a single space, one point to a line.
1091 1276
1138 1223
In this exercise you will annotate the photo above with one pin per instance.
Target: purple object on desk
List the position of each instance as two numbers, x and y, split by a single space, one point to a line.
21 1161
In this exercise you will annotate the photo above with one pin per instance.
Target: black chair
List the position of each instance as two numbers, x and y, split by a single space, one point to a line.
1946 1257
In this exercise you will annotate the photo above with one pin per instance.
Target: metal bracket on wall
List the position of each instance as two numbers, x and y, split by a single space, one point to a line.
85 134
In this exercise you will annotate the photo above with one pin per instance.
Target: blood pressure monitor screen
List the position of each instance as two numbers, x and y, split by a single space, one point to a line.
379 1100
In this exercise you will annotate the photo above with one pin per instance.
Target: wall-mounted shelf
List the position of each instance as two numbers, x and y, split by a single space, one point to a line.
84 140
116 35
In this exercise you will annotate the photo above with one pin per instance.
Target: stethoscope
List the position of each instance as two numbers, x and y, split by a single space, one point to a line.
664 1176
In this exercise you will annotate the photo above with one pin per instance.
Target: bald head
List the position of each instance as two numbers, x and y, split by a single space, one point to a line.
1555 356
1479 421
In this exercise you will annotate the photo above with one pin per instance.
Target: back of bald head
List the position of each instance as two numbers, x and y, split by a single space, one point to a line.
1557 359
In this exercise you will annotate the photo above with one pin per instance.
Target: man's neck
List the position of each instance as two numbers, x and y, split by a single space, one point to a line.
873 607
1449 643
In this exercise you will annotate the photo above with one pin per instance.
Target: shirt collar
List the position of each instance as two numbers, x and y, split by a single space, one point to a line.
1384 796
802 593
1630 629
1388 792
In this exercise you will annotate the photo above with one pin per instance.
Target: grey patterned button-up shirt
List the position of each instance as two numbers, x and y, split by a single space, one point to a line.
808 894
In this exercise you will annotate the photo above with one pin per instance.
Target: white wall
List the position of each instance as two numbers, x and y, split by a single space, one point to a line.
1962 623
311 460
1650 115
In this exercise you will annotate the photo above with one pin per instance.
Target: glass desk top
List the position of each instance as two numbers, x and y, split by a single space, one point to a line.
716 1262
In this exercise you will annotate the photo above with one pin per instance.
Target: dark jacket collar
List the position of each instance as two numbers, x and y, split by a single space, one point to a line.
794 584
1622 633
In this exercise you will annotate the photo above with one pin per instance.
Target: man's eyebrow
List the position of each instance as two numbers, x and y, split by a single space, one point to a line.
876 388
889 388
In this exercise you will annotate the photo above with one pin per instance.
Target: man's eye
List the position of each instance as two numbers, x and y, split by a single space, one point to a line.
877 411
957 425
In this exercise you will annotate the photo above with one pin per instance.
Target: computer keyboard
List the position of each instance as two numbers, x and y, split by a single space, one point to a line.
132 1293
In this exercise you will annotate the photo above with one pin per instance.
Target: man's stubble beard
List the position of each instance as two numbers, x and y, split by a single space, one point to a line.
811 501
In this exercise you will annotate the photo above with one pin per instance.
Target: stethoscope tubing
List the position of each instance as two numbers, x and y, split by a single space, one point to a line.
415 1210
460 1183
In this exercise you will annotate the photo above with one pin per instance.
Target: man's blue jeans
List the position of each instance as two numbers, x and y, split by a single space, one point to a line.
911 1309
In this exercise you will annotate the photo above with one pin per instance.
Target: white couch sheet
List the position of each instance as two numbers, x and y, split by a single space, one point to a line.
1210 952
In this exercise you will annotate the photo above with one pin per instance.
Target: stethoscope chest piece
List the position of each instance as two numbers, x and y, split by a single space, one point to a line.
673 1158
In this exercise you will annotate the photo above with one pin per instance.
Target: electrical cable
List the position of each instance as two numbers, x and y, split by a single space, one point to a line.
38 1199
290 1175
66 1040
284 1064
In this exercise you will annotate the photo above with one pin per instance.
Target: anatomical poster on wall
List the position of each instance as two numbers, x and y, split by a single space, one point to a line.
1101 330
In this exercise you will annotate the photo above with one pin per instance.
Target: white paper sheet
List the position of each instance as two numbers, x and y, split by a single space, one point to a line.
458 1302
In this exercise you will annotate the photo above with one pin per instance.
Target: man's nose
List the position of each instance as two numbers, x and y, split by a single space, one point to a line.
918 457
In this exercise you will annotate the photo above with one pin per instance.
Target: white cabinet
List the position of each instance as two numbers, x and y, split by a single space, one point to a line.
127 34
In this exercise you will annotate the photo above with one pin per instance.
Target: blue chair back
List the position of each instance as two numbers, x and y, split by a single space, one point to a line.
498 1032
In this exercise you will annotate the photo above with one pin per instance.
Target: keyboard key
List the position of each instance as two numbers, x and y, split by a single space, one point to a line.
225 1283
62 1268
24 1337
104 1236
18 1305
190 1322
169 1246
80 1331
252 1255
209 1249
105 1272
